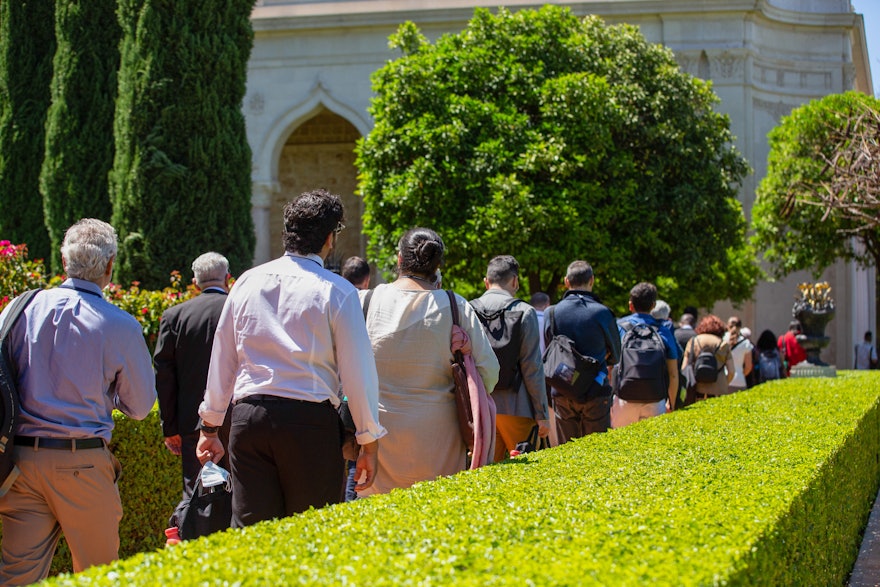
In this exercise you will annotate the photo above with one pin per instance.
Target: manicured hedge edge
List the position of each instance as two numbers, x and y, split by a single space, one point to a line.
770 486
150 488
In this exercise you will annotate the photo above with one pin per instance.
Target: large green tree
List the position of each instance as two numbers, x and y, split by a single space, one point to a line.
27 44
820 199
79 125
553 138
180 184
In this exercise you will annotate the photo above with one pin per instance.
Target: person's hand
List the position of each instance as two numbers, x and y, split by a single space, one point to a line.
173 444
367 463
209 448
543 428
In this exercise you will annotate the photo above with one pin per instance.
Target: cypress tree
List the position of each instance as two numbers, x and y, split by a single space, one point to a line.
79 126
181 185
27 43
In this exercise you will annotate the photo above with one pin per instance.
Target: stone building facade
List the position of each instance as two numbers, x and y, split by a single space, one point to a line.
309 88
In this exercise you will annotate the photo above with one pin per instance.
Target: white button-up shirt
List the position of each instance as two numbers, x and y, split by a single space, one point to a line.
292 329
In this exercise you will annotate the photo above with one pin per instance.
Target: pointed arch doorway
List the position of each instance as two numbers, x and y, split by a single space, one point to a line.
320 154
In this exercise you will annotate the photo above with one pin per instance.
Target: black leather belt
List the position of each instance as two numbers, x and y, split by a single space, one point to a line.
59 443
258 398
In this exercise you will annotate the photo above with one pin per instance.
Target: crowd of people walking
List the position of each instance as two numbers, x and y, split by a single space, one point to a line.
253 378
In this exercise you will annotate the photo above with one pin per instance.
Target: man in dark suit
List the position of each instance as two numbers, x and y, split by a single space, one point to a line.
183 352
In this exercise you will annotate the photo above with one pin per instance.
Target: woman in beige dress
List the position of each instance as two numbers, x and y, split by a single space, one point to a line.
410 323
710 331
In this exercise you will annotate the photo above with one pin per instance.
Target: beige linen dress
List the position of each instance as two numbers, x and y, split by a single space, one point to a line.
410 332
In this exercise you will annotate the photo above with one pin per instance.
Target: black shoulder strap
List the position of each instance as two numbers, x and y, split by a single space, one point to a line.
454 306
367 297
16 307
550 319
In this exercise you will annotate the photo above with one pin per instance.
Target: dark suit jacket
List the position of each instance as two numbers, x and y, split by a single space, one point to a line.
182 356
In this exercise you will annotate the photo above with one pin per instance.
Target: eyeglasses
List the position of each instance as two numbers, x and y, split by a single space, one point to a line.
339 228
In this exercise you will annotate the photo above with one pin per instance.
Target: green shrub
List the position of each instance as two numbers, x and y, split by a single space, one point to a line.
147 305
19 274
27 44
79 123
770 486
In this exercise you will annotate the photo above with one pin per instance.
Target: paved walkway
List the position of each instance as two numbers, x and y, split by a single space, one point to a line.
866 573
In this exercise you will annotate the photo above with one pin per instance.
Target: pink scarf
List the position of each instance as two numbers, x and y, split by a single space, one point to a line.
482 404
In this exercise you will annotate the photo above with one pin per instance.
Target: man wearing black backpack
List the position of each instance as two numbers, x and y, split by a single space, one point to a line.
589 324
645 381
512 327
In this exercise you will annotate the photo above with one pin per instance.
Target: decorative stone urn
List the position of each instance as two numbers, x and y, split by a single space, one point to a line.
814 310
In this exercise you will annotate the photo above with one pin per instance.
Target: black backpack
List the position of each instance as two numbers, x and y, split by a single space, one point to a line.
504 328
706 367
641 374
9 406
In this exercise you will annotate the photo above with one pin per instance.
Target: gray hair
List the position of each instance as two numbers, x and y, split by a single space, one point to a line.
661 310
87 248
210 266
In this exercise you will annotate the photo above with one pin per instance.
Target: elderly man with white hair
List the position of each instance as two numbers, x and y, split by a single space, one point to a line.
78 357
182 356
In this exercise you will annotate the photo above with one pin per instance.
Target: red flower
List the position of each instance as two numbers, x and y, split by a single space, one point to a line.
144 310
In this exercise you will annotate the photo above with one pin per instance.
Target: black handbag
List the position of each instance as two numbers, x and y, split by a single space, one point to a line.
533 442
208 510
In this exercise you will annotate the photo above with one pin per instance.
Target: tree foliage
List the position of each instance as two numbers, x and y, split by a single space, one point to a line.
27 44
552 138
820 199
79 125
180 183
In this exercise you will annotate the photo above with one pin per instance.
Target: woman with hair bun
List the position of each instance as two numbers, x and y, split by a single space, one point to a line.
410 323
710 332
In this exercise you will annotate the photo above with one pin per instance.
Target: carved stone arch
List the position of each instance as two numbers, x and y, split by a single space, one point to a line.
310 145
319 98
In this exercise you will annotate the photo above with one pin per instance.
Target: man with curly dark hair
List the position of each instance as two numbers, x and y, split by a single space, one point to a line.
290 334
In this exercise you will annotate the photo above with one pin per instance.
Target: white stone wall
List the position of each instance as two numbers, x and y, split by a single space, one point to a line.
764 59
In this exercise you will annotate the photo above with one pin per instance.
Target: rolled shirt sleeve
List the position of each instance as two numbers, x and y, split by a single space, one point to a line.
222 370
357 369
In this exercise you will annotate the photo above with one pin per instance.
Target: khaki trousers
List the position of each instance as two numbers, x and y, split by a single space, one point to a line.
510 431
67 491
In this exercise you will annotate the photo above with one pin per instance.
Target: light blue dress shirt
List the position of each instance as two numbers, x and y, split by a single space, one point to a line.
78 358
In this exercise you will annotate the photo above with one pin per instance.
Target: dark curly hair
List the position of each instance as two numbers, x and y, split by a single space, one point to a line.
421 253
309 219
711 324
767 341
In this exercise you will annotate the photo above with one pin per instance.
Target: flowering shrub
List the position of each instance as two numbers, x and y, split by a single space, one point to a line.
147 305
18 273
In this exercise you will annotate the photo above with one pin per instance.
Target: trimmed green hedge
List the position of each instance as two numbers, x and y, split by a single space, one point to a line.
766 487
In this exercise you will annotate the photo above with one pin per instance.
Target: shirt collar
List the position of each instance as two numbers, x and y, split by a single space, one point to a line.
311 256
82 284
214 288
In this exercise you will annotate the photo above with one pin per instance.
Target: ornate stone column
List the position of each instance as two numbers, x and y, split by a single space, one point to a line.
262 195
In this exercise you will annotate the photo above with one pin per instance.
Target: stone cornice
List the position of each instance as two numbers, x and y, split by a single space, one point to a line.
274 16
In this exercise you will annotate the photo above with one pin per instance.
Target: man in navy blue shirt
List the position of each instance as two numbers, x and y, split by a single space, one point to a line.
642 299
582 317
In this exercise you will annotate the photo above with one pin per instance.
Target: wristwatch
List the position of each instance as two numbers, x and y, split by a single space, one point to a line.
208 429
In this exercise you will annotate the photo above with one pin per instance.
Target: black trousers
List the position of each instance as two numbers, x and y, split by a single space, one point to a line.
285 456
